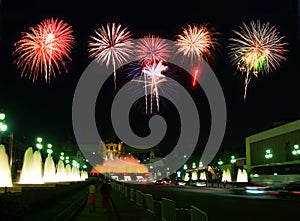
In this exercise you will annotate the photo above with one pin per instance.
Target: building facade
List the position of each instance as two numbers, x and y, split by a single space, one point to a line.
277 145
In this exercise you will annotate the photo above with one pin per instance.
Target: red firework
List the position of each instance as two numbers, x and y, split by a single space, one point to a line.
41 51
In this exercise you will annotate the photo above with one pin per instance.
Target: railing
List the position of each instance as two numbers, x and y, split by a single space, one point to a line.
168 210
197 214
149 203
139 198
167 207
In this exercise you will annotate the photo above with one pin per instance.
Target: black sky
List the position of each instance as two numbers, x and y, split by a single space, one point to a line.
46 110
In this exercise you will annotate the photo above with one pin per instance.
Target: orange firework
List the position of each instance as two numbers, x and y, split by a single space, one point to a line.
42 50
197 42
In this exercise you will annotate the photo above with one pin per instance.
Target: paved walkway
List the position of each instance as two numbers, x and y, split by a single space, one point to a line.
85 214
121 209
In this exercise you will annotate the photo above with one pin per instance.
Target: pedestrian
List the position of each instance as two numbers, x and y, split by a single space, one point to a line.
91 199
105 190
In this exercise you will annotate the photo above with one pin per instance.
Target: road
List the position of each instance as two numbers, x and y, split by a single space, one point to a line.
224 204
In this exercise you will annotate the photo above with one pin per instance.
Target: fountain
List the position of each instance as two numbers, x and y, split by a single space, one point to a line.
32 168
5 173
35 172
49 170
194 175
226 175
203 175
68 171
187 177
242 176
61 172
126 164
120 165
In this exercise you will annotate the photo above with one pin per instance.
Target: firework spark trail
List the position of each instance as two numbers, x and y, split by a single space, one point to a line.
197 42
153 77
42 50
111 45
151 51
258 49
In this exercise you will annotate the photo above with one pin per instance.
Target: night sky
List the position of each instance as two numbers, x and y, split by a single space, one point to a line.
42 109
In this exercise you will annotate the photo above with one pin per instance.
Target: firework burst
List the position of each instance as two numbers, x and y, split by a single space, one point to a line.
42 50
197 42
258 48
111 45
152 48
151 52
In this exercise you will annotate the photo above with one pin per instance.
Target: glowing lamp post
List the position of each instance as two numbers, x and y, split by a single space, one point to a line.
268 154
232 160
2 116
39 144
62 157
296 150
220 162
49 149
3 126
194 165
67 160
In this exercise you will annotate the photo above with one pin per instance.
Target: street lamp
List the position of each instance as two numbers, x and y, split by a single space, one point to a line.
233 160
2 116
296 150
268 154
39 144
3 126
49 149
220 162
194 165
39 139
62 156
67 160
